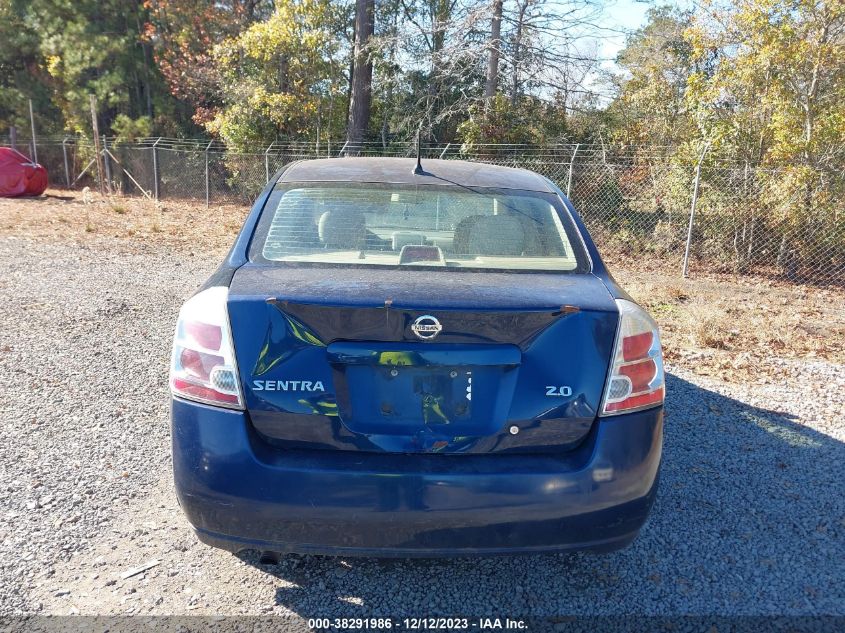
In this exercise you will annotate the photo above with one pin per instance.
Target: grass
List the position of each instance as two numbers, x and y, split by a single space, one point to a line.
739 329
64 215
707 326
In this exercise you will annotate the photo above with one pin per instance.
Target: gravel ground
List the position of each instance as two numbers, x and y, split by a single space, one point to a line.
750 518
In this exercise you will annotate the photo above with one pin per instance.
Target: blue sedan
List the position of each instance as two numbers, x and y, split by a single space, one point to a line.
395 361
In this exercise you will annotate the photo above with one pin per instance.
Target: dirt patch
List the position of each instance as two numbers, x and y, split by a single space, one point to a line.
736 328
741 329
71 215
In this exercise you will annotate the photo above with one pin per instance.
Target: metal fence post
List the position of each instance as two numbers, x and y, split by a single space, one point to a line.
267 162
67 167
155 169
207 180
32 125
692 207
107 164
571 164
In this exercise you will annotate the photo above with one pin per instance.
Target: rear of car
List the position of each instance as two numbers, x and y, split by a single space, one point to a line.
415 365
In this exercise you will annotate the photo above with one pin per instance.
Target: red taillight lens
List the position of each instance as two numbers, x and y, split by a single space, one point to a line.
637 345
203 366
640 374
205 394
205 335
640 401
636 379
198 364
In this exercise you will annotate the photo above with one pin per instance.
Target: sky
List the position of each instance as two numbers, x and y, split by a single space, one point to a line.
618 19
620 15
608 24
628 15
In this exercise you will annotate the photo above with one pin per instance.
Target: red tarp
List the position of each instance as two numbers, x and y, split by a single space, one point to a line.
19 176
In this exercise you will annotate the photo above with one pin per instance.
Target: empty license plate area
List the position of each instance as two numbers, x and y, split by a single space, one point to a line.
408 389
427 395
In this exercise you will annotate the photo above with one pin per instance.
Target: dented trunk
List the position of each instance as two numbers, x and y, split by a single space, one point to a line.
500 362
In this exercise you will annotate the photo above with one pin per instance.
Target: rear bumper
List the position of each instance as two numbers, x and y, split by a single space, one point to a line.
238 493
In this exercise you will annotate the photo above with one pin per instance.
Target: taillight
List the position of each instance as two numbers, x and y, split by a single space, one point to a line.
203 366
636 380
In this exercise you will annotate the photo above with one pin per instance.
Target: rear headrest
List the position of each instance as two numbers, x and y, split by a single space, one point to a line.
342 228
403 238
297 220
501 235
460 240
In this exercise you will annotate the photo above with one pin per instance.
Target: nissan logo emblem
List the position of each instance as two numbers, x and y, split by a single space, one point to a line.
426 327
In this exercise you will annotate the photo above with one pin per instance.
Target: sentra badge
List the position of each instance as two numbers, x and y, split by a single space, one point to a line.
287 385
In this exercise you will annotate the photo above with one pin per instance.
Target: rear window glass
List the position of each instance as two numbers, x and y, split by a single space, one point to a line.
391 225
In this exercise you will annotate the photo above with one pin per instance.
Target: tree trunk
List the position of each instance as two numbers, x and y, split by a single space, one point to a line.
494 47
436 98
249 11
147 56
517 52
362 77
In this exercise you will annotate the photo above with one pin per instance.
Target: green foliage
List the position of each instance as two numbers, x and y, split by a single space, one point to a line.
776 98
127 129
184 33
86 57
501 121
496 122
22 77
658 62
777 95
276 73
58 52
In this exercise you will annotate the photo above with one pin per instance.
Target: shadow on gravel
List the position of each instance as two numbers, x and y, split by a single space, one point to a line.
47 197
750 519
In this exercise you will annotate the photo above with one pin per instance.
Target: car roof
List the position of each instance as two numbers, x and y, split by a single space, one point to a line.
461 173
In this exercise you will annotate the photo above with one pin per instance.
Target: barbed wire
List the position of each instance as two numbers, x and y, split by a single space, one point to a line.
334 148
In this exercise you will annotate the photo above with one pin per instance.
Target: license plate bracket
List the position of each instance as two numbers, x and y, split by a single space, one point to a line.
407 389
424 395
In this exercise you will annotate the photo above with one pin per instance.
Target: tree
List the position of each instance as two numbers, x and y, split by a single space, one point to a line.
277 72
443 46
657 62
184 33
23 75
457 55
494 48
97 47
778 91
362 75
548 47
777 98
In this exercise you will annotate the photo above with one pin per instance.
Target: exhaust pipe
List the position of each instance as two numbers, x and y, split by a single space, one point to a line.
268 558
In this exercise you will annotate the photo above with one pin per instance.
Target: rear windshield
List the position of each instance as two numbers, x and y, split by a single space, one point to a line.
429 226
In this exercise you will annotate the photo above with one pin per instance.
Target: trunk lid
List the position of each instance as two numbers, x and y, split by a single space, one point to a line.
328 358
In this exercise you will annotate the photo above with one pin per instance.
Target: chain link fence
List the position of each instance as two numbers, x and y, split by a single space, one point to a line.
647 208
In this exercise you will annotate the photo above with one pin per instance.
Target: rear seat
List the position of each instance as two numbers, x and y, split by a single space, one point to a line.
342 228
497 235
